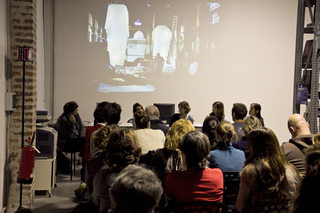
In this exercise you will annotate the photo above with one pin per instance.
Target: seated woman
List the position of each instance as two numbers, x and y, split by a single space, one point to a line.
267 175
184 109
137 108
122 149
226 157
218 111
198 182
209 128
255 110
249 123
148 139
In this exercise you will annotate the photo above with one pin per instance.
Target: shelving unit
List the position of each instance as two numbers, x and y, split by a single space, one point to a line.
313 9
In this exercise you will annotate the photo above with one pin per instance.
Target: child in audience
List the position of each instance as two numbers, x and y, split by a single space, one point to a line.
267 175
226 157
136 189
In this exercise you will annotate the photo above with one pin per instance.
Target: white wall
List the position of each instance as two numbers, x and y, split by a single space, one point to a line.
40 57
3 55
255 63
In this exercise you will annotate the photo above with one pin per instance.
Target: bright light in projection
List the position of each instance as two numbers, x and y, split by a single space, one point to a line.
117 29
136 47
213 6
162 39
104 88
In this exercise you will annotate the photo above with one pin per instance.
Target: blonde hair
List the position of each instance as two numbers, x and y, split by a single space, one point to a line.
175 133
226 131
316 138
250 123
100 139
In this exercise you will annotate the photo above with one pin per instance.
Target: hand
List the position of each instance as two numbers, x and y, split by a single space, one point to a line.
72 119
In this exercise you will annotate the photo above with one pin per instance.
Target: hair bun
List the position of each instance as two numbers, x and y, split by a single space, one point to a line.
230 134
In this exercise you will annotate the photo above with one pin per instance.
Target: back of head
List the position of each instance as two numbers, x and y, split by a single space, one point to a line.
225 132
240 110
136 189
220 110
100 139
99 115
250 123
123 148
298 125
185 105
142 120
102 104
70 107
196 147
209 127
175 133
112 113
153 112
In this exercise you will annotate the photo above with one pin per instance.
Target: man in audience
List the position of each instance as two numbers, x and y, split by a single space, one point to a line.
136 189
301 139
154 114
239 112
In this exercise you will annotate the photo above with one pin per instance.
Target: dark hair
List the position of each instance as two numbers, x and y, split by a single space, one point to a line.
112 112
258 108
268 162
185 105
306 200
98 115
135 107
136 189
123 148
70 107
240 110
196 147
220 110
102 104
141 119
209 128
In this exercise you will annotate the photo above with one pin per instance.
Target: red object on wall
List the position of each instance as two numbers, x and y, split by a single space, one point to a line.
27 161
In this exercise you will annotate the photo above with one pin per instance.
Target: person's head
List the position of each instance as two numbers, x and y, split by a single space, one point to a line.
255 110
136 189
225 132
297 125
70 108
239 111
122 148
250 123
209 128
102 104
100 139
175 133
112 113
218 110
184 107
98 115
153 112
137 108
158 54
142 120
195 147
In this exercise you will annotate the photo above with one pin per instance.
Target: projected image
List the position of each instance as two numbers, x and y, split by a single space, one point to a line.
147 41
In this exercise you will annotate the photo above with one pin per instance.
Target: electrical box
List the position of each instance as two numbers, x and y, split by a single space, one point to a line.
10 102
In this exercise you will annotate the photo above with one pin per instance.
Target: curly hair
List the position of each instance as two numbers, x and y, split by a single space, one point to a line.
175 133
123 148
250 123
196 147
226 132
100 139
185 105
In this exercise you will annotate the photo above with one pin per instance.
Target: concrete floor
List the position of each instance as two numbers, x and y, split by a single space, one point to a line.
63 199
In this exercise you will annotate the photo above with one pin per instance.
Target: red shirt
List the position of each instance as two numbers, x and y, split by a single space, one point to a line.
195 185
85 152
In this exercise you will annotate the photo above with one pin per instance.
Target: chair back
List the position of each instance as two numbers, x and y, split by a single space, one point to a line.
231 182
268 206
200 207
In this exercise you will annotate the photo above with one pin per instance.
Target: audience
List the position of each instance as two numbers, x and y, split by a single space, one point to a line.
218 111
154 115
122 149
198 182
306 200
148 139
226 157
249 123
255 110
301 139
239 112
136 189
184 109
209 128
136 109
266 176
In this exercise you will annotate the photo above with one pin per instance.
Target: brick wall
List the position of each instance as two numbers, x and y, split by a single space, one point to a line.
23 14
